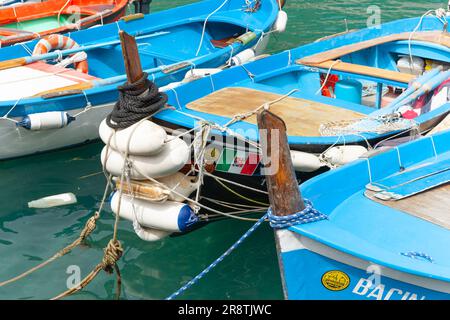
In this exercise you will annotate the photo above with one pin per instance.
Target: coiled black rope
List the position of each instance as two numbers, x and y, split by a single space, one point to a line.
133 105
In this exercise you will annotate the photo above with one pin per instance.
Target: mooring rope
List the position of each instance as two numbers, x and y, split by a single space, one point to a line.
217 261
307 215
136 102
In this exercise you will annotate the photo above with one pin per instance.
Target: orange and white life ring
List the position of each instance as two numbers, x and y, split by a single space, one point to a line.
59 42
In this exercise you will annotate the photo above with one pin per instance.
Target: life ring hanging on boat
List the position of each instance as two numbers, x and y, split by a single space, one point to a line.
59 42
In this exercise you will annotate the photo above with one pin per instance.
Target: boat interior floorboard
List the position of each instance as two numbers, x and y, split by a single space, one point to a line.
432 205
302 117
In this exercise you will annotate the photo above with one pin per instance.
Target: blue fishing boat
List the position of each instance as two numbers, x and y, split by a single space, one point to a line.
45 104
382 234
340 96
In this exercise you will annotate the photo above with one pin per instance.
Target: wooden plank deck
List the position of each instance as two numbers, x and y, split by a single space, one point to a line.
302 117
432 205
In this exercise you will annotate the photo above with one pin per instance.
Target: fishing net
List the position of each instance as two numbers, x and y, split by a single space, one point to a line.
380 125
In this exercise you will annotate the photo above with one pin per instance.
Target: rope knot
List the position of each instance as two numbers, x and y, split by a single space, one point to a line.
89 227
112 253
307 215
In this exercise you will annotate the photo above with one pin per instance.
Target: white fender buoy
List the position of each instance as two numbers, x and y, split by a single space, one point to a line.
195 74
145 138
185 185
148 234
168 216
305 162
154 192
172 157
46 120
281 22
341 155
243 57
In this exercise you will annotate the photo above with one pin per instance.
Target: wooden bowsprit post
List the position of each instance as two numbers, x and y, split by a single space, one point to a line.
131 57
282 184
284 194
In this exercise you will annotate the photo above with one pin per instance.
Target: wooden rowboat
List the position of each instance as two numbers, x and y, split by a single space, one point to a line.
385 232
297 85
31 20
205 34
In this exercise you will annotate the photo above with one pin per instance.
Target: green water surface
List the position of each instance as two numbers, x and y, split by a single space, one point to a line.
150 270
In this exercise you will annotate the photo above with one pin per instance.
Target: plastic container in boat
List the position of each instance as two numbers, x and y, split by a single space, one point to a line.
168 216
416 67
144 138
348 90
53 201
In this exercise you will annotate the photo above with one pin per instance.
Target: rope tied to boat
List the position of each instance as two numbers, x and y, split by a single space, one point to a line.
136 101
307 215
112 253
90 226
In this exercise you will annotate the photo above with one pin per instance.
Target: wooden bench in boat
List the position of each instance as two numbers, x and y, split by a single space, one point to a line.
366 71
432 205
302 117
327 59
437 37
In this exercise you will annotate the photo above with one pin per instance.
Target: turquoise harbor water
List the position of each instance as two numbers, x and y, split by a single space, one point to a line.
150 270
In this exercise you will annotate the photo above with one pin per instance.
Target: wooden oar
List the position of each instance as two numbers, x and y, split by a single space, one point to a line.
18 62
284 194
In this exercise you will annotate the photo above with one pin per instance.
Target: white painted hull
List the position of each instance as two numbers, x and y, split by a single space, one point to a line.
18 142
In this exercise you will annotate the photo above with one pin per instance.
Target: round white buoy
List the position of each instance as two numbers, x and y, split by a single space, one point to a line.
168 216
281 22
148 234
243 57
144 138
341 155
46 120
171 158
305 162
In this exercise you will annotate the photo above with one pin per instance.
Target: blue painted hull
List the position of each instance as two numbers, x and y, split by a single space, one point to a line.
361 286
400 237
175 49
280 74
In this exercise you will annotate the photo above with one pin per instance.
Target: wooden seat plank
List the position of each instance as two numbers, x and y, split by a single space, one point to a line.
437 37
302 117
365 70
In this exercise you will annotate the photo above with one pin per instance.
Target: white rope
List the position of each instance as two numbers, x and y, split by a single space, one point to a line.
327 76
204 26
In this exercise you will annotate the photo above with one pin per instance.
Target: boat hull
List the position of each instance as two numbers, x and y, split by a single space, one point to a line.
17 142
314 271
